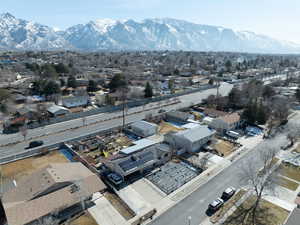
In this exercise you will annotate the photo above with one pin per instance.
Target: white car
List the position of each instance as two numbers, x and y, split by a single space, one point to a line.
216 204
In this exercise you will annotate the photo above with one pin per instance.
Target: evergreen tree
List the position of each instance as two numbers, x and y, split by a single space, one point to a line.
72 82
92 87
261 114
48 71
297 94
61 68
148 91
118 81
51 88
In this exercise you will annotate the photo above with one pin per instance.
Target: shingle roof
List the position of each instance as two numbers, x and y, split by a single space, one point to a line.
231 118
47 190
196 133
143 125
214 112
180 115
55 108
75 101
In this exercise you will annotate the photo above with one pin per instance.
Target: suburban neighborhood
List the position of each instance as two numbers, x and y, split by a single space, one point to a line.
93 132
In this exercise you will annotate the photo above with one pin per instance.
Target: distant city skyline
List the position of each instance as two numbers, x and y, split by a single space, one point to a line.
275 18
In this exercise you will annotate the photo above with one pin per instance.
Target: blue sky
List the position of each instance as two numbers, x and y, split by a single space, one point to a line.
276 18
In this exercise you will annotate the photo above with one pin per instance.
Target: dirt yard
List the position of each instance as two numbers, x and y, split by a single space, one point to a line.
16 170
165 128
117 203
224 148
85 219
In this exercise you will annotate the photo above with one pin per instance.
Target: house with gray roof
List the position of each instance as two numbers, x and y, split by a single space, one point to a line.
178 117
143 128
56 110
75 101
143 154
190 140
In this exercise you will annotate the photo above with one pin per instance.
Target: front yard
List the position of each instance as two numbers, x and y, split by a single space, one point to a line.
267 214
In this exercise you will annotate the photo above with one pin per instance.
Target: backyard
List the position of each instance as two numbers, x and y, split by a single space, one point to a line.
224 148
20 168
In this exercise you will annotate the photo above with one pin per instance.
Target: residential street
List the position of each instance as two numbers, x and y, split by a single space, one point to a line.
196 204
52 137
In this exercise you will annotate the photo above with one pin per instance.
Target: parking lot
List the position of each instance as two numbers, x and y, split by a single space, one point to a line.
172 176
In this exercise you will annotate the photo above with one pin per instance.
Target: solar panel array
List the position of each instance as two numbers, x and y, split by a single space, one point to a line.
172 176
137 161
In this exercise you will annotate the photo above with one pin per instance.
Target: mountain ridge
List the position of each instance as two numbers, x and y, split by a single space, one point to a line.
148 34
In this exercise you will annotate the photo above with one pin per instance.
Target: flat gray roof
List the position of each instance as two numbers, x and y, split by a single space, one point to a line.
138 145
196 133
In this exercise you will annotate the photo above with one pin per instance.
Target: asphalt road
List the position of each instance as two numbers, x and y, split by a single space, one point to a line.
195 205
52 134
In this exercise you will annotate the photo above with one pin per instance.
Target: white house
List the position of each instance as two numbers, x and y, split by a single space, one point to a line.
190 140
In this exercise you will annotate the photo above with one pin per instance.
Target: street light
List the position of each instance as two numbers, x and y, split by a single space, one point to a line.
189 220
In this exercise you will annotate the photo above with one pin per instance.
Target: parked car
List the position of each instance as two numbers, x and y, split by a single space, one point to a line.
228 193
216 205
35 144
115 178
161 111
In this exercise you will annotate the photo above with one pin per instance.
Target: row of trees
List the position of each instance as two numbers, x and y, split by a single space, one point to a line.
119 82
48 70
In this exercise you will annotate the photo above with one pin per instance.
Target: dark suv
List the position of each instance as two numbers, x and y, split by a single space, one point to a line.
35 144
228 193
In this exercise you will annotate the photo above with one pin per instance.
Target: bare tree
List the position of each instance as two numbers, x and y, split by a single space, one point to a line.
259 180
293 133
24 131
203 162
83 121
280 110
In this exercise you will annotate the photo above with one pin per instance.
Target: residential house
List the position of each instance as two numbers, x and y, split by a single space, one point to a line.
142 155
56 110
226 123
75 101
143 128
57 191
190 140
178 117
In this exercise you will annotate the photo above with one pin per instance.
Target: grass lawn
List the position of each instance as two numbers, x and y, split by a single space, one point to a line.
228 205
291 185
85 219
20 168
224 148
290 171
267 214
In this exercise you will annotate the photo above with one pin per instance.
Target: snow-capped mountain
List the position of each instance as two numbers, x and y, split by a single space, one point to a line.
18 34
149 34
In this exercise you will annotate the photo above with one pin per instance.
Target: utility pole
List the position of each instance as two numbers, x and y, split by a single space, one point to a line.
189 220
218 86
124 105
